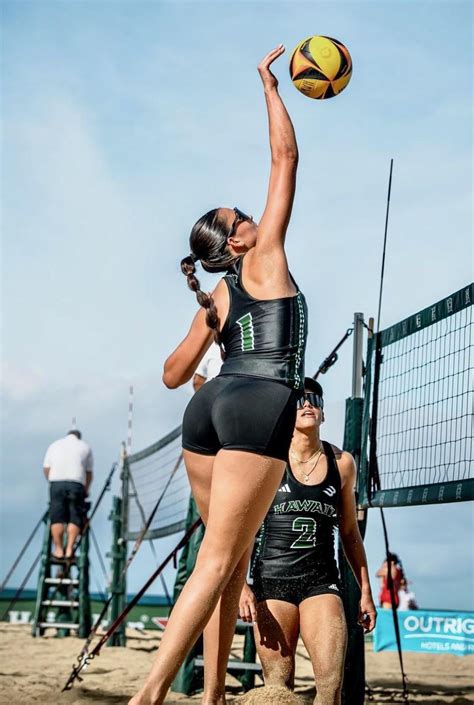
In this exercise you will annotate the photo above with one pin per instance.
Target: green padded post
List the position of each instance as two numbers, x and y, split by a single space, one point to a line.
354 670
189 679
85 618
247 678
118 586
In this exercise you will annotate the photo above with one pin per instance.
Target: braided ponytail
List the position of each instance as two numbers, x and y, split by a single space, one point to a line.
188 267
208 243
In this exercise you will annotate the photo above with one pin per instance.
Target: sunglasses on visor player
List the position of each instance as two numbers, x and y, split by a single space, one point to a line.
314 399
239 217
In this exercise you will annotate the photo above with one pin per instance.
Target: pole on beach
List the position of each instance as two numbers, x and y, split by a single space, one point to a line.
354 670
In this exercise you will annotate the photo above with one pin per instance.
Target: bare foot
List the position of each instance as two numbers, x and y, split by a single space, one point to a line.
58 554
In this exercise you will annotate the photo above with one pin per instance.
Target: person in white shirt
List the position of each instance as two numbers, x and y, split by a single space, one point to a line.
209 367
406 597
68 467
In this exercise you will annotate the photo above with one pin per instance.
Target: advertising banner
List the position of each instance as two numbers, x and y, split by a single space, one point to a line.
426 631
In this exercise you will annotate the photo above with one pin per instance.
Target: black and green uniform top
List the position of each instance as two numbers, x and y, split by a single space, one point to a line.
297 536
264 338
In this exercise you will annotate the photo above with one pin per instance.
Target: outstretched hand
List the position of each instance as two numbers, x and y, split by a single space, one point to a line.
268 79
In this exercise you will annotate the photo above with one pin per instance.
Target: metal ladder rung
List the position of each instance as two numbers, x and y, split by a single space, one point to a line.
61 581
58 625
235 665
60 603
242 625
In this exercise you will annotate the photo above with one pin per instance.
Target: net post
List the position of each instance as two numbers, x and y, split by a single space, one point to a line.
116 564
353 692
247 678
118 553
85 617
358 339
189 679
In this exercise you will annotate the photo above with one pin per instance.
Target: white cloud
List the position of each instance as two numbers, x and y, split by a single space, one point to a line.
20 384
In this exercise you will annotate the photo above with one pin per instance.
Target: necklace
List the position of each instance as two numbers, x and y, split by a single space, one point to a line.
306 475
318 450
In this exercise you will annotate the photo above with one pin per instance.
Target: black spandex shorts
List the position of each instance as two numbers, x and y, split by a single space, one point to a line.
67 503
294 589
241 413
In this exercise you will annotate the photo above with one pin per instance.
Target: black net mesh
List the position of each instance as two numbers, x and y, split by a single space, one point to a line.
157 473
420 399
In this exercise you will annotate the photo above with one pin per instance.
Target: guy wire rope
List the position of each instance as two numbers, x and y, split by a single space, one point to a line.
331 359
150 541
85 658
99 554
19 592
84 651
23 550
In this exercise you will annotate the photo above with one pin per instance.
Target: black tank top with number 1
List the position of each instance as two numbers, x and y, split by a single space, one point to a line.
264 338
297 536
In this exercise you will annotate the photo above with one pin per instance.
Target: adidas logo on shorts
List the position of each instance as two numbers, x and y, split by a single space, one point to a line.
333 587
284 488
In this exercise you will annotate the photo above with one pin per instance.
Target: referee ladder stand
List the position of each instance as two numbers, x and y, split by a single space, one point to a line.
62 597
190 677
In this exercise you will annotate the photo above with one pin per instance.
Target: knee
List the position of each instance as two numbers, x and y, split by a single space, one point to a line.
221 560
217 566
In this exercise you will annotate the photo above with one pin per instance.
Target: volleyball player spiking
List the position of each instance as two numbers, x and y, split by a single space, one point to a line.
237 428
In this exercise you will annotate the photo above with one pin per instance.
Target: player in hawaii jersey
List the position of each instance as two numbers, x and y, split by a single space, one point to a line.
296 588
237 428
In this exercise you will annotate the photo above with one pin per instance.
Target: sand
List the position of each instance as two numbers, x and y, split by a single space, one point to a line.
35 670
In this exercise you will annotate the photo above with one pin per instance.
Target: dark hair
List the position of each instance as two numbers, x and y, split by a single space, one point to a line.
312 385
394 558
208 243
78 434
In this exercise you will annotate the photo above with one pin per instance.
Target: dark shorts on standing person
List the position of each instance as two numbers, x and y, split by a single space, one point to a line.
240 412
67 502
294 589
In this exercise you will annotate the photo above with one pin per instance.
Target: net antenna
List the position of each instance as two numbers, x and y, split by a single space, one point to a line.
382 272
130 420
390 583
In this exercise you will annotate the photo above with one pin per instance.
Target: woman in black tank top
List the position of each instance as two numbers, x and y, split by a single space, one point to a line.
296 588
237 428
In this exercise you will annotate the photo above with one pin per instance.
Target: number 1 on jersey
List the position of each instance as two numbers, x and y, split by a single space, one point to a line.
246 332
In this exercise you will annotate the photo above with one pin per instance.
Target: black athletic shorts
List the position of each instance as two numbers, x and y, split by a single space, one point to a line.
67 502
234 412
294 589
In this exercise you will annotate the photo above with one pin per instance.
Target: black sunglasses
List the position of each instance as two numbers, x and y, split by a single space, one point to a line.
239 217
314 399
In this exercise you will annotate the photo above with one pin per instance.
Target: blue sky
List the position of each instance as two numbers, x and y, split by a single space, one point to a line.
123 122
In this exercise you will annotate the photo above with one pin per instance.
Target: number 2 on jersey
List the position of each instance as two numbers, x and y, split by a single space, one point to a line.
307 527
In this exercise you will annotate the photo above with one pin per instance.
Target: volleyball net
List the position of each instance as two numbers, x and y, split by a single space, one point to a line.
158 473
417 443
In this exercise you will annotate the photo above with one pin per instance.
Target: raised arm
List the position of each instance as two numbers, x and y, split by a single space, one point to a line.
284 156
